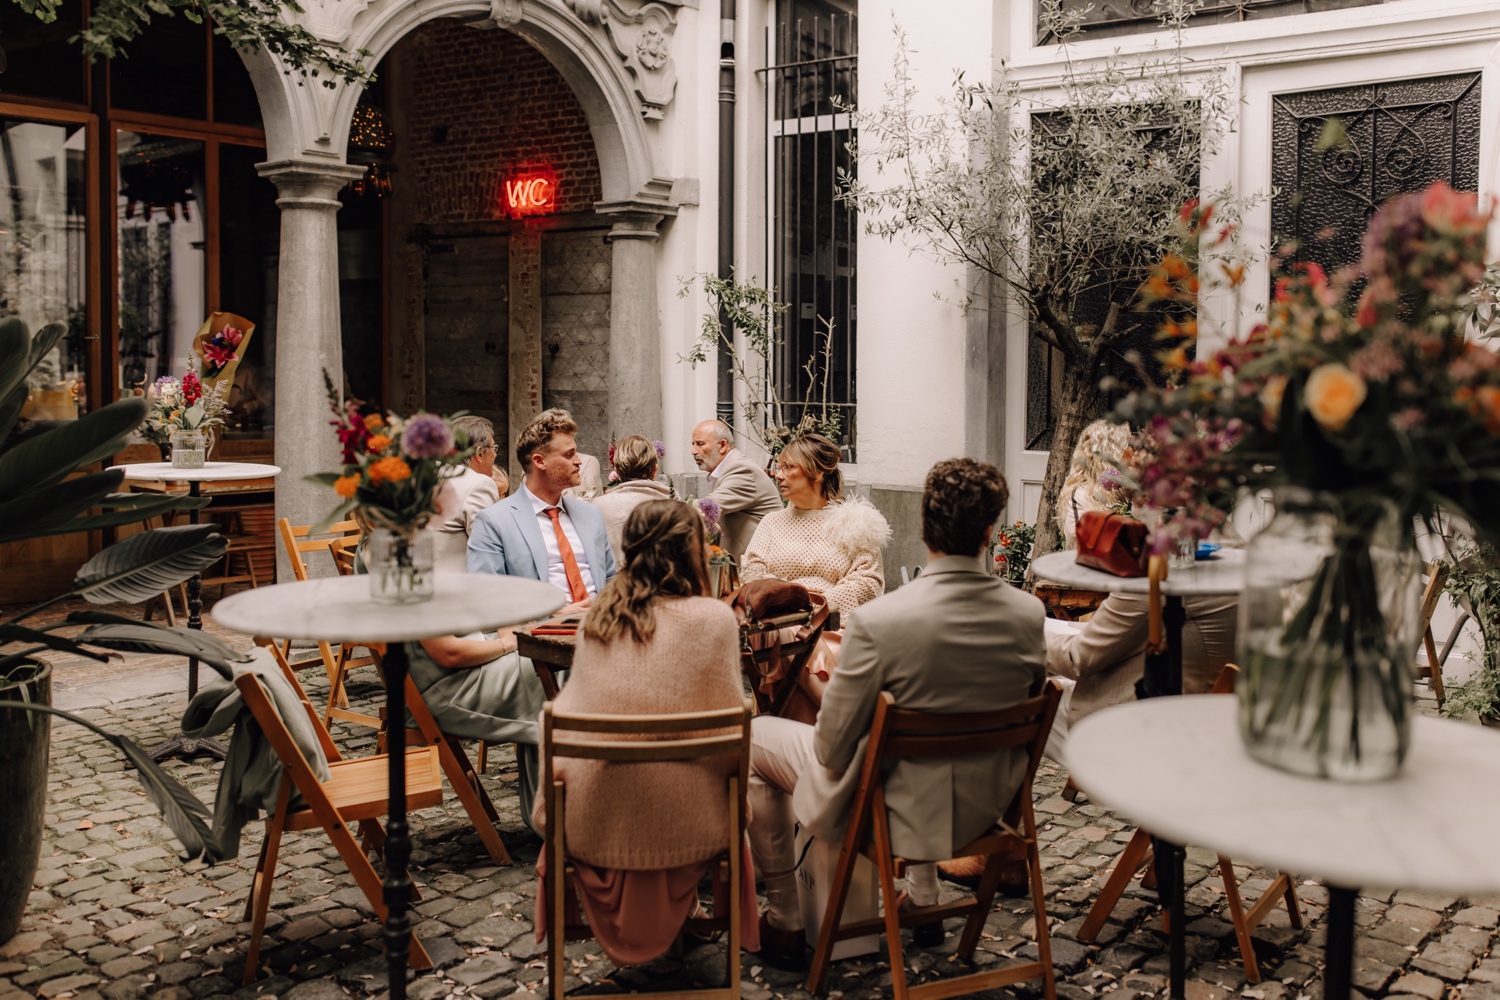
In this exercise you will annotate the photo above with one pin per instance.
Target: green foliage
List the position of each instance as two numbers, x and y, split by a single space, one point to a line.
1010 550
46 489
248 25
755 313
1474 585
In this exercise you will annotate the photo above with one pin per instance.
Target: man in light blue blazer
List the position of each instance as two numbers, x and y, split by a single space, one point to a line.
537 532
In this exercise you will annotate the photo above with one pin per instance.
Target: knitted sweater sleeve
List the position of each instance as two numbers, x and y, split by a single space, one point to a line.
864 582
753 565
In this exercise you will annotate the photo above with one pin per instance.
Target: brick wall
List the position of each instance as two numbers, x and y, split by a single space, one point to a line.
481 105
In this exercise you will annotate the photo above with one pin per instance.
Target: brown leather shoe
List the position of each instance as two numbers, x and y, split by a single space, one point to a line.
1014 882
786 950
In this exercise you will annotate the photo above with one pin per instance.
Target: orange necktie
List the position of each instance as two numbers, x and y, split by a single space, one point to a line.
576 590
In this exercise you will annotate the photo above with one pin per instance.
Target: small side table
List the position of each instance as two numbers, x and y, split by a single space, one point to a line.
1432 827
337 609
166 472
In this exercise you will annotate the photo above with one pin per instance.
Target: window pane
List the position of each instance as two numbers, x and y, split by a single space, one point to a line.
249 249
234 95
43 251
162 263
164 71
39 59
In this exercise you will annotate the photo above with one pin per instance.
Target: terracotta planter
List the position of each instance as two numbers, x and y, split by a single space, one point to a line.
25 739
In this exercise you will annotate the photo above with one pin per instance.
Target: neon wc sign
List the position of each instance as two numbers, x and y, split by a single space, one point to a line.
530 193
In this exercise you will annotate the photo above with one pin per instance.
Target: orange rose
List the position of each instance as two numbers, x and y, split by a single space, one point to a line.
374 421
377 443
346 486
1270 398
1333 394
389 469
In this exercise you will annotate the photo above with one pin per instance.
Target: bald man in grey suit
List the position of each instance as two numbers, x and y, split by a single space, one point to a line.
744 493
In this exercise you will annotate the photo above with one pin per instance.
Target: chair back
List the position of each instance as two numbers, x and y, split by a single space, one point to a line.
1225 682
343 550
906 734
287 751
325 740
295 539
1437 579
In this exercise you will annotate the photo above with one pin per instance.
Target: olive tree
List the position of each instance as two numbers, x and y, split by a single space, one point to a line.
1068 194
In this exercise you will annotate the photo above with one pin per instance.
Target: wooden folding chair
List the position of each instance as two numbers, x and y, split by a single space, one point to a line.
355 792
1138 855
1437 578
897 734
295 539
639 739
771 665
462 777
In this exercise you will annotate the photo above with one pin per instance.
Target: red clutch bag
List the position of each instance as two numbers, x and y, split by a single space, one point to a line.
1113 543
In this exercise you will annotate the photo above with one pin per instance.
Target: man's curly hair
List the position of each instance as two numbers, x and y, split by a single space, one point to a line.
538 434
960 505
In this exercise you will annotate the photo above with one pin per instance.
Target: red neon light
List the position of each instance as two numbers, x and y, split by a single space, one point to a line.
531 193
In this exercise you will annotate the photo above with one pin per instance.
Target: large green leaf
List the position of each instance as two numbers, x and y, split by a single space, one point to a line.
48 511
10 409
48 458
143 637
181 809
15 354
20 633
151 506
144 565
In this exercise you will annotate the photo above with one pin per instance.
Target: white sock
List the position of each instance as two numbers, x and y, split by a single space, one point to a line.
921 884
781 899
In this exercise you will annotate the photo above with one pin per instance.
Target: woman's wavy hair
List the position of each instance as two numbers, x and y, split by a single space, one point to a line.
819 459
666 555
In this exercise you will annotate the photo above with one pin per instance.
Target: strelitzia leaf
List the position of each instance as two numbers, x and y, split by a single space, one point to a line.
144 565
143 637
20 633
45 459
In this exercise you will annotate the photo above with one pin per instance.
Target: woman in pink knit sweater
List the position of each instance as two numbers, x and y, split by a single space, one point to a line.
642 835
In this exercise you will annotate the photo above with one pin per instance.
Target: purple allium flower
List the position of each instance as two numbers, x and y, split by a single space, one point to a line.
711 512
426 436
661 449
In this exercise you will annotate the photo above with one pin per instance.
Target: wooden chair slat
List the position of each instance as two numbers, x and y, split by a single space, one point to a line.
643 724
656 750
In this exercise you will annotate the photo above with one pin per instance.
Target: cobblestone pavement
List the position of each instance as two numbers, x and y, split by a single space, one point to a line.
114 913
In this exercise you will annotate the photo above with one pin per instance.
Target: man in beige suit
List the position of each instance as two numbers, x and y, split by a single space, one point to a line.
956 639
744 493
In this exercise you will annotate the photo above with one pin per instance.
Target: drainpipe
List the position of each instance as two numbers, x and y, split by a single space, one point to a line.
726 198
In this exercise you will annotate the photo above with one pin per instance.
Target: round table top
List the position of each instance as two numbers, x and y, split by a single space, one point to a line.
1177 767
211 472
1222 574
338 608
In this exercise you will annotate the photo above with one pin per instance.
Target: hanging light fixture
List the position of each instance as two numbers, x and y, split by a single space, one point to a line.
370 145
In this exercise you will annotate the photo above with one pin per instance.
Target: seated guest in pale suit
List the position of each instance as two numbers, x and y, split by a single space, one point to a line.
590 477
468 490
1100 660
635 463
956 639
539 533
743 492
641 836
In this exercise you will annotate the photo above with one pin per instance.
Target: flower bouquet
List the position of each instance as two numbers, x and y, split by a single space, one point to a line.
1361 403
723 571
182 413
393 470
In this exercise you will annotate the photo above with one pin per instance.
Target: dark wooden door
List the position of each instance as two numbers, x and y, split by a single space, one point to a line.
466 313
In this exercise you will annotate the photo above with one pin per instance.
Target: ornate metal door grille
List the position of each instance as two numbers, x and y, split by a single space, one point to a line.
1124 17
1401 136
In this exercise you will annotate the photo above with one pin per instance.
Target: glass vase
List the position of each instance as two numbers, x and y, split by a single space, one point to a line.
189 449
1329 627
399 564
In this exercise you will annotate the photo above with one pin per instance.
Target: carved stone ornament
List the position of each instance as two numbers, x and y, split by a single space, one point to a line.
506 13
330 20
642 37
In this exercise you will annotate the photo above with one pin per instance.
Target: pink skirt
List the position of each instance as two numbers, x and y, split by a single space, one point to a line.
636 915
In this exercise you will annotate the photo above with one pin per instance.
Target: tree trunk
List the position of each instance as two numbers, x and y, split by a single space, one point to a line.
1081 404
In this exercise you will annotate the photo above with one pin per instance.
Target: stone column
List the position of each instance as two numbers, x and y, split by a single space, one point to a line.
635 374
307 339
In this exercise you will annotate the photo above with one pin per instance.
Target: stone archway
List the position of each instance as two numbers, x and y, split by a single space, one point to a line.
616 59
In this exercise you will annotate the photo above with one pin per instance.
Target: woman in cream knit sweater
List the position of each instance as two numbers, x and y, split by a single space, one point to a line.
821 540
642 835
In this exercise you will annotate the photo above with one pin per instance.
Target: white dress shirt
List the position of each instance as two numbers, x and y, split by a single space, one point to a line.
556 574
732 453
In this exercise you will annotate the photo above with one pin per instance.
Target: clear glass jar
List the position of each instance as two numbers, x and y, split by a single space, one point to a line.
1329 626
189 449
400 566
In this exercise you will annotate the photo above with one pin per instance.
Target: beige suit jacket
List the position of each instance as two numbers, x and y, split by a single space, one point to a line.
1108 655
745 494
953 640
460 500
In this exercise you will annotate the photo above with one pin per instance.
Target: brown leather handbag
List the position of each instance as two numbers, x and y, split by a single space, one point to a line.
766 598
1113 543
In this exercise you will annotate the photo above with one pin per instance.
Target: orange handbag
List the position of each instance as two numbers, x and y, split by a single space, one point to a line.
1113 543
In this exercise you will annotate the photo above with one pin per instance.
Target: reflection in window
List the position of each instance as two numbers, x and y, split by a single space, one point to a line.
162 260
249 250
43 252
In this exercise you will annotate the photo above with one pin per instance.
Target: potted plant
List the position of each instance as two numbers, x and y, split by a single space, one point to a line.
46 488
1010 551
1474 585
